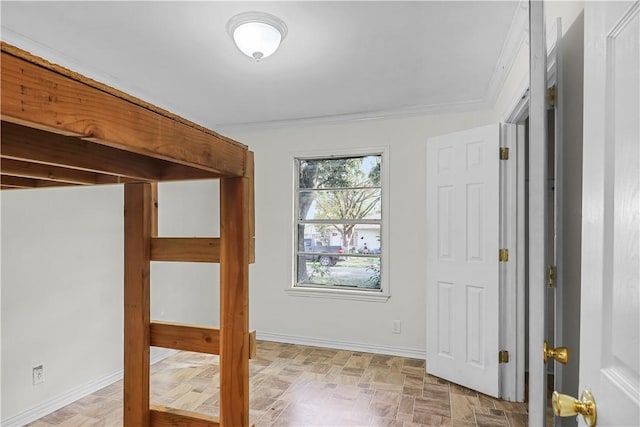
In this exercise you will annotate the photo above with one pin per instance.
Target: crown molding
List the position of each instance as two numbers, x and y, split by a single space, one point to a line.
399 113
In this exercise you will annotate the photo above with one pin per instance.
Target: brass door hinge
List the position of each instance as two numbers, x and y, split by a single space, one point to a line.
504 153
551 276
503 356
503 255
552 97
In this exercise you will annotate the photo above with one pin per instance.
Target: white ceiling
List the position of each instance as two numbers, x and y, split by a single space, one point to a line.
339 60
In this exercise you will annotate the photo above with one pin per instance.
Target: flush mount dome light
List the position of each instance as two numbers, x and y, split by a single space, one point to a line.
257 34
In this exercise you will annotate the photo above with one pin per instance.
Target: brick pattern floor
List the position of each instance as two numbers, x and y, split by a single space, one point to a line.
295 385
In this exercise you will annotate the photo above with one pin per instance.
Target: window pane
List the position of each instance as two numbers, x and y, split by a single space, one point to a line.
358 239
357 272
339 212
339 172
340 204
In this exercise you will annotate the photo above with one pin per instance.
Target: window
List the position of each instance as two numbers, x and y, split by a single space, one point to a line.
338 231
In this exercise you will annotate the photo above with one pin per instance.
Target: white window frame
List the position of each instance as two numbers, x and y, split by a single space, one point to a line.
384 293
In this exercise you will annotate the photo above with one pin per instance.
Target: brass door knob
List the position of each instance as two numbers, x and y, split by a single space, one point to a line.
566 406
561 354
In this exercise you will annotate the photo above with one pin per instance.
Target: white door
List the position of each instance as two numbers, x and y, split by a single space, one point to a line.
462 257
609 324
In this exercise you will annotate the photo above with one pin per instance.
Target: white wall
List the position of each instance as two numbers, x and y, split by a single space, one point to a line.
187 292
62 272
345 323
61 290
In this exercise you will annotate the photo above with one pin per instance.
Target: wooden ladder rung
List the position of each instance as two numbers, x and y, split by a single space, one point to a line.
191 338
185 337
163 416
185 249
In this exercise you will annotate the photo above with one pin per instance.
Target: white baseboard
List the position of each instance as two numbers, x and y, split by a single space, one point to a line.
64 399
414 353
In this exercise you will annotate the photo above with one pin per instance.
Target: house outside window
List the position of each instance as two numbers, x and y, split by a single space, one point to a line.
339 229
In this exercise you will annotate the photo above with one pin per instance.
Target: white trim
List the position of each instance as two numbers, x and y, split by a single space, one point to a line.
518 109
53 404
331 293
553 36
414 353
510 326
516 114
411 111
516 36
521 258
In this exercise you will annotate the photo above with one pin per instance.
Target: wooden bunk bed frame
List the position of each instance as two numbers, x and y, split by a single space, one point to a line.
60 128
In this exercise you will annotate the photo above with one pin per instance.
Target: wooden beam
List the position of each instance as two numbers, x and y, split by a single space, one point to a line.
21 182
22 143
54 173
185 249
178 172
185 337
17 182
234 302
38 94
163 416
137 266
38 146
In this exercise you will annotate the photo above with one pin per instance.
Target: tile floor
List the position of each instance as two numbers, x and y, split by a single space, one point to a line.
294 385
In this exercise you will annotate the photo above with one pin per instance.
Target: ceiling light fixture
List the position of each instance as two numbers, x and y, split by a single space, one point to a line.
257 34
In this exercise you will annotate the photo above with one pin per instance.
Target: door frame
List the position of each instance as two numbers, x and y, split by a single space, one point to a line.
513 377
512 309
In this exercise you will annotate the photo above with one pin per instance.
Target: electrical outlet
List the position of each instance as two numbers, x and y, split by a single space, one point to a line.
396 326
38 374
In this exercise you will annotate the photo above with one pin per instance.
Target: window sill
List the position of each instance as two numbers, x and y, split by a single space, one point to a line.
337 294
